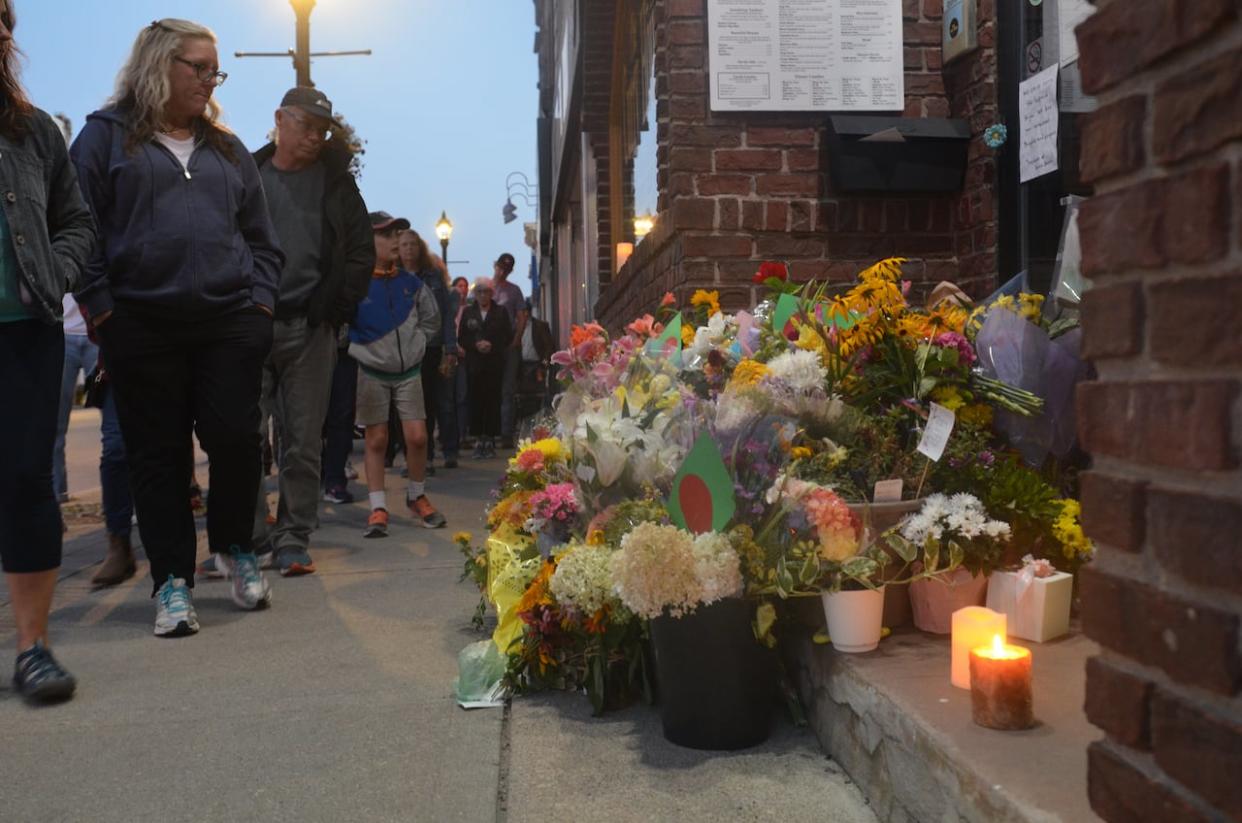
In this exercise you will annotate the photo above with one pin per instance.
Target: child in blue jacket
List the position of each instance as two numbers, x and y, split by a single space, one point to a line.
388 339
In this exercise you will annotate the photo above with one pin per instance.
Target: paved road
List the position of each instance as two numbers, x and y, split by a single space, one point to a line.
335 705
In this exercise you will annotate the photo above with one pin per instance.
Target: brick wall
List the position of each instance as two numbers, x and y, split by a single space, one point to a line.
738 189
1164 327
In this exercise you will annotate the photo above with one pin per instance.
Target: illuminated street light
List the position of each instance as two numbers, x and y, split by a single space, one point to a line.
643 224
444 231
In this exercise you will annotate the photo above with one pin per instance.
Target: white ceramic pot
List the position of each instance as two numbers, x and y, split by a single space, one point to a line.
855 619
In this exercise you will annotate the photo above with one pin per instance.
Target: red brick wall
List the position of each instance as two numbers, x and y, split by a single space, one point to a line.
1163 325
738 189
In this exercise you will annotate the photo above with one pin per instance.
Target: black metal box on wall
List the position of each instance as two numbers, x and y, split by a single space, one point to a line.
896 154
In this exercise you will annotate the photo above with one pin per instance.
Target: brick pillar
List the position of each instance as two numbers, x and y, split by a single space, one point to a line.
1163 324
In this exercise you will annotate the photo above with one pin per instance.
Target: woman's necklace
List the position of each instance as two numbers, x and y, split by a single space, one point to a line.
175 131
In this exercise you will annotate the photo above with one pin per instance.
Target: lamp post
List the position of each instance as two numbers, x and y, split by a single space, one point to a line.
301 55
444 231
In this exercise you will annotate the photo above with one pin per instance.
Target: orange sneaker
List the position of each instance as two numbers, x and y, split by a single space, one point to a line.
377 524
425 512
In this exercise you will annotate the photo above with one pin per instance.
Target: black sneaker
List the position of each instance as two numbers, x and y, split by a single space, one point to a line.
39 678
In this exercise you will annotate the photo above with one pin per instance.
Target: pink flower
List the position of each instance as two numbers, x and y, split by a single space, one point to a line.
837 526
953 340
645 326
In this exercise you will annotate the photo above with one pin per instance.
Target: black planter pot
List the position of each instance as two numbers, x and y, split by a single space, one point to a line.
715 680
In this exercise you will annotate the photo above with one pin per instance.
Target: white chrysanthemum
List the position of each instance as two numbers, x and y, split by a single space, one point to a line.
583 578
798 370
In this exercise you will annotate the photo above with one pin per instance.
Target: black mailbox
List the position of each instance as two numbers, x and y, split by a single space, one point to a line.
896 154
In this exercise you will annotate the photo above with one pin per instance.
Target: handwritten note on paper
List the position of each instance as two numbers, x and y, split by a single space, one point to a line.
1037 113
936 433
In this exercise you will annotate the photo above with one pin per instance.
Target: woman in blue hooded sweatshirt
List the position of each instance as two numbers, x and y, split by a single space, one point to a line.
181 290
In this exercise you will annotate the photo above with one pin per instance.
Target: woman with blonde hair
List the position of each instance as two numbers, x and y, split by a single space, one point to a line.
440 361
46 220
181 291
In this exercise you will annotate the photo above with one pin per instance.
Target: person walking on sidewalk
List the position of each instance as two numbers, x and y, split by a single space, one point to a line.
484 334
509 297
329 254
388 338
81 354
181 291
45 219
440 362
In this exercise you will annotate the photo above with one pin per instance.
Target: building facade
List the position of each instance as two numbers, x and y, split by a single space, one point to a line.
627 127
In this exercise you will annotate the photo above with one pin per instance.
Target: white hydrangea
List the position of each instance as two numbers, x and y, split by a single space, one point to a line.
717 568
583 578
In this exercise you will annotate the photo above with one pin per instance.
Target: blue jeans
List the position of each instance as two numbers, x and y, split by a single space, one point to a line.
81 355
118 500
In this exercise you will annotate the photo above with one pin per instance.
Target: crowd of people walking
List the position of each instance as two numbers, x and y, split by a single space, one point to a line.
205 291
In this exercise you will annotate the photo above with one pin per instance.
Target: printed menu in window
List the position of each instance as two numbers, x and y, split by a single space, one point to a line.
805 55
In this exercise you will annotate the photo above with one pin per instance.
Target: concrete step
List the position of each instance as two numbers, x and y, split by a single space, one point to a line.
893 721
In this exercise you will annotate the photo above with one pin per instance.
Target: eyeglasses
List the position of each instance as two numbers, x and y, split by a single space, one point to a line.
308 127
205 74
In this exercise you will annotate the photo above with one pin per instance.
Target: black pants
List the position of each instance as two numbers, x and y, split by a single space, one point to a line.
431 394
173 376
486 376
32 357
338 426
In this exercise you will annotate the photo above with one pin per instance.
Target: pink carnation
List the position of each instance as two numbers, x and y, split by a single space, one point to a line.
953 340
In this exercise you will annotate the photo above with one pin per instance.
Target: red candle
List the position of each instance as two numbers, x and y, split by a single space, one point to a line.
1000 686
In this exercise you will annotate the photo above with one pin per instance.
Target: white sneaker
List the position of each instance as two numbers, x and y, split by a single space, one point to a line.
174 609
250 588
350 472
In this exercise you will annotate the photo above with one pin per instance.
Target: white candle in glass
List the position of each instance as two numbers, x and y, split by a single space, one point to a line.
973 626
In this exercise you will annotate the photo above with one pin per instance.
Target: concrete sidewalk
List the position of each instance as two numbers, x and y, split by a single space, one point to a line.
336 705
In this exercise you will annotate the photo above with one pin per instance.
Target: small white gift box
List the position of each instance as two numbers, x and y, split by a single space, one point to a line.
1037 608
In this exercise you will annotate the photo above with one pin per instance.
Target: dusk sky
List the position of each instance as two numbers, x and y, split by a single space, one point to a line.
447 101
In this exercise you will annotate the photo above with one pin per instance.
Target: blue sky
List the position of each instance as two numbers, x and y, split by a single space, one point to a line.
447 102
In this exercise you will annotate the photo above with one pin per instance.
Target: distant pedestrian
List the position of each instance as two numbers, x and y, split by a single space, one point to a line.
81 354
45 217
388 339
181 293
460 381
485 335
329 255
440 362
508 296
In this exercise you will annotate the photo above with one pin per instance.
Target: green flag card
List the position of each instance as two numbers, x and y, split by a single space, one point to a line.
702 497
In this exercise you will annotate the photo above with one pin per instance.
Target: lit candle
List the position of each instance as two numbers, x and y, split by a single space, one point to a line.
973 626
1000 686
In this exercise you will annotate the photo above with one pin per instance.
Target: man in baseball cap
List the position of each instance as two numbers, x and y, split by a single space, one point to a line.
382 221
323 228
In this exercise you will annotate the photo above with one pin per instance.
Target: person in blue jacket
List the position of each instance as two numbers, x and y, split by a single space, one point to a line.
181 291
389 338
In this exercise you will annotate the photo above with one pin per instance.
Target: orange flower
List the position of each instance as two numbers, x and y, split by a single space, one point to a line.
585 333
667 300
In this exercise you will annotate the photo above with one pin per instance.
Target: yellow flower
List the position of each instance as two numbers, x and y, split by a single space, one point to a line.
949 397
888 269
749 372
1032 306
687 334
1068 530
710 299
595 537
976 414
463 537
809 339
800 452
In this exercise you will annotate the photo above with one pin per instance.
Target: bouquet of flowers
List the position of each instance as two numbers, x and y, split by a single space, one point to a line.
661 568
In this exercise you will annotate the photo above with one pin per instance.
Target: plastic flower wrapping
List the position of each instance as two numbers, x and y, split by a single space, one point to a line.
808 400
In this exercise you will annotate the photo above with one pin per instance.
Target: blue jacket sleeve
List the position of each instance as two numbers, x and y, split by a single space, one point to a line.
255 222
90 154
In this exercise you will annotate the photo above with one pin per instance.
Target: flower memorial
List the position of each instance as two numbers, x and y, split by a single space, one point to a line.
702 458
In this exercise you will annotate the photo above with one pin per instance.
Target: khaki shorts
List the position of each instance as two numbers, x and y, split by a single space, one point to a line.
375 397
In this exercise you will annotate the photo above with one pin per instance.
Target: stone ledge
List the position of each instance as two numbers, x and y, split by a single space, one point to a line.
892 720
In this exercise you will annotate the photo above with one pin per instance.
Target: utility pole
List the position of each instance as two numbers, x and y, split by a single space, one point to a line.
302 54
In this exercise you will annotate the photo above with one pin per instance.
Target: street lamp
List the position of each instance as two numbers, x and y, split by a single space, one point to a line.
301 58
643 224
444 231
